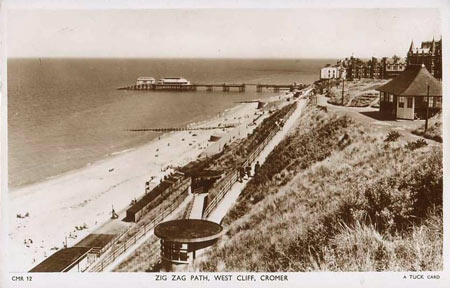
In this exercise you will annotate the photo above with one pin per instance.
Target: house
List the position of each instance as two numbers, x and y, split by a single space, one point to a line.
405 97
375 68
145 80
356 68
329 72
392 67
429 54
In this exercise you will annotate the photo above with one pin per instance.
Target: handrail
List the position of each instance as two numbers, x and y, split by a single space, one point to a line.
120 249
255 153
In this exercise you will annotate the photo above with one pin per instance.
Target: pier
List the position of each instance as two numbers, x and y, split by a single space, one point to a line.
211 87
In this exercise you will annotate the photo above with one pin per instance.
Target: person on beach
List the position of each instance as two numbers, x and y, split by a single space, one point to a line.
114 214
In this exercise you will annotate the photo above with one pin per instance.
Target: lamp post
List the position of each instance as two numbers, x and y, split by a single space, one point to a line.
428 107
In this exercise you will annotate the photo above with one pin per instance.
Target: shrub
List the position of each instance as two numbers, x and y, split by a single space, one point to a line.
392 136
413 145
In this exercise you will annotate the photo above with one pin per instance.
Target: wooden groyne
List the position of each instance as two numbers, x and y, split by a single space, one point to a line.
211 87
180 129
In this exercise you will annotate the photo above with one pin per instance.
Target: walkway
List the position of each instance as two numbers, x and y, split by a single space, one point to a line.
370 116
197 208
232 195
149 234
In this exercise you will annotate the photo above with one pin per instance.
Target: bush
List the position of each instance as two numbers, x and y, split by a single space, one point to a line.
392 136
419 143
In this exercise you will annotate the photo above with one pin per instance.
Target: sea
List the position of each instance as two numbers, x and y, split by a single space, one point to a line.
64 114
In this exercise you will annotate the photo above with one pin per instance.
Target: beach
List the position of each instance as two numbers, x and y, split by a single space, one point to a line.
66 208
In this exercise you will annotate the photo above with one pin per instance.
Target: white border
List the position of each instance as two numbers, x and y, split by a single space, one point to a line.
321 279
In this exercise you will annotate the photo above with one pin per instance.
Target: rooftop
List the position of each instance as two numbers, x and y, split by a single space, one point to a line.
62 260
149 197
95 240
413 82
145 78
188 230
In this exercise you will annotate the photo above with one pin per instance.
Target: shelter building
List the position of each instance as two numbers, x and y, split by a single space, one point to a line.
181 239
405 97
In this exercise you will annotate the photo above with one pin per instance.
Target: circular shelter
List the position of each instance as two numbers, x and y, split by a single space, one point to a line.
180 239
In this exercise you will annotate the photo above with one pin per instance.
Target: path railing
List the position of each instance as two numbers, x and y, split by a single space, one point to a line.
119 247
233 176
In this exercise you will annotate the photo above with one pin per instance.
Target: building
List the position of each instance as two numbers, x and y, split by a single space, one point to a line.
329 72
405 97
175 183
182 239
429 54
174 81
145 80
79 257
375 68
392 67
73 259
356 68
387 68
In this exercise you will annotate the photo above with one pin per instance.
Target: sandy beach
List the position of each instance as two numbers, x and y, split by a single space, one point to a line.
58 206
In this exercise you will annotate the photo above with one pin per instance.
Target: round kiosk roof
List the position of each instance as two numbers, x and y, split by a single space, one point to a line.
188 230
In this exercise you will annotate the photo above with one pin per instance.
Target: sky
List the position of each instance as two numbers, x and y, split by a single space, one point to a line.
218 33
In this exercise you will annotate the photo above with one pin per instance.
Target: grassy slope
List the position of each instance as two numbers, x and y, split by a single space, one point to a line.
434 131
335 196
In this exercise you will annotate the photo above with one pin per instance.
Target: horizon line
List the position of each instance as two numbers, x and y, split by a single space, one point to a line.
175 58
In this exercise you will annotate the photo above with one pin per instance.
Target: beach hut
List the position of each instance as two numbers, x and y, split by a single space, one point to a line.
407 95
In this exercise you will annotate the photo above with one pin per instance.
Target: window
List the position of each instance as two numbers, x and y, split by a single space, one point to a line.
391 98
431 102
401 102
438 102
410 102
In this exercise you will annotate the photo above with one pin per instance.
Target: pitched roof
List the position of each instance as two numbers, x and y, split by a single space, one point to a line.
394 61
62 260
413 82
